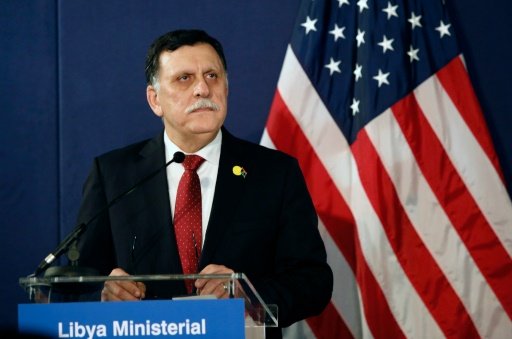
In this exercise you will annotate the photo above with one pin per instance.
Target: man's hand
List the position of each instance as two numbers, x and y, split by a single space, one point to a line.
217 287
122 290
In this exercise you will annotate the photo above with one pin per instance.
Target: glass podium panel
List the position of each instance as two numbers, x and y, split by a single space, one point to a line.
61 289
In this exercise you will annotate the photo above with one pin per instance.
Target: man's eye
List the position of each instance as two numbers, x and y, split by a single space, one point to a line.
183 77
212 76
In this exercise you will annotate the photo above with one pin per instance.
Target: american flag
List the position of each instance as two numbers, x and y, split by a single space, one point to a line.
375 101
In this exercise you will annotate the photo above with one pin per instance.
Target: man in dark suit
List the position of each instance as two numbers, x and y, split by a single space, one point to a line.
256 214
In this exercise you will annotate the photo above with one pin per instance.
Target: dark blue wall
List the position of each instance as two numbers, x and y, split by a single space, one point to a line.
72 86
29 154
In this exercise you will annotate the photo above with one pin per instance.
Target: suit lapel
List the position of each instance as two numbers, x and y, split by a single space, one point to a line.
228 190
156 195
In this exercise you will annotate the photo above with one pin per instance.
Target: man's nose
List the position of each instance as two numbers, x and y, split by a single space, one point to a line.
201 89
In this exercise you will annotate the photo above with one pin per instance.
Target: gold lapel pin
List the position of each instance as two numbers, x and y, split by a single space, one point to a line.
238 170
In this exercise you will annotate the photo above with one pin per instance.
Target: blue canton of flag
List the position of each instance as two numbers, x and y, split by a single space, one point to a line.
363 56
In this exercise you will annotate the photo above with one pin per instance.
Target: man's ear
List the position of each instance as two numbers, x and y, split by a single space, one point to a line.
153 101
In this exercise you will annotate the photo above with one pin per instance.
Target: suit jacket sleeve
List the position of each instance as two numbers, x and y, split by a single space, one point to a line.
95 246
302 283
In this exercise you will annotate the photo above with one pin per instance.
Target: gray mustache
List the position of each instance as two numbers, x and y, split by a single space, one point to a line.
202 103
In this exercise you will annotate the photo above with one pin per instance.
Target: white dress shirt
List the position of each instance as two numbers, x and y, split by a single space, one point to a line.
207 175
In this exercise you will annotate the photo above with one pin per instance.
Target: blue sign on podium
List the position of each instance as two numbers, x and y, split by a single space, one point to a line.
222 318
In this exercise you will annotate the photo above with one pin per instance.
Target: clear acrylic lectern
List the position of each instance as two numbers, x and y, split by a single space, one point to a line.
258 315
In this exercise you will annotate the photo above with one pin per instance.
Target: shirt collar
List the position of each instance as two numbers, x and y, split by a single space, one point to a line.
210 152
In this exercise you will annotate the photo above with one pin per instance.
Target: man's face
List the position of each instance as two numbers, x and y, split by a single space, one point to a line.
187 76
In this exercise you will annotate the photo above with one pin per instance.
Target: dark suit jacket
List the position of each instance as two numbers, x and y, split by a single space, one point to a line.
263 225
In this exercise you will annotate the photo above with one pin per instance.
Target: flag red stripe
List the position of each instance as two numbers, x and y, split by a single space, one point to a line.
416 260
376 309
455 80
329 325
329 204
485 248
289 137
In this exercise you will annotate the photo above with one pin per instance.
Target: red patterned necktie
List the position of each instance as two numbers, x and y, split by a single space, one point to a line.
188 217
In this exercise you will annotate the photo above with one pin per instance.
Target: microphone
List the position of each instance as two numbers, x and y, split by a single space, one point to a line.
66 244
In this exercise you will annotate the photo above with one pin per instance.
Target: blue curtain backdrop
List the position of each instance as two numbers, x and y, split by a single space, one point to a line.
72 86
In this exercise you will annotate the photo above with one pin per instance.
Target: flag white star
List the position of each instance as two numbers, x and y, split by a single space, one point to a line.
358 72
360 37
443 29
337 32
333 66
386 44
343 2
413 54
309 25
382 78
415 20
391 10
355 106
362 4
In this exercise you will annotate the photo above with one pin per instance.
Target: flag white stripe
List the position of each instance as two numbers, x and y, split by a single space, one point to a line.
332 149
299 330
366 333
476 170
314 119
266 140
345 290
345 296
434 227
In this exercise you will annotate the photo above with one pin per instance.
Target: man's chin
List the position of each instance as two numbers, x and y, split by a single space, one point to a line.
205 131
205 126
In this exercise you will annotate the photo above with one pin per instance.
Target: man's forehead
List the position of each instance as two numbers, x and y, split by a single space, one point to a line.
188 55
